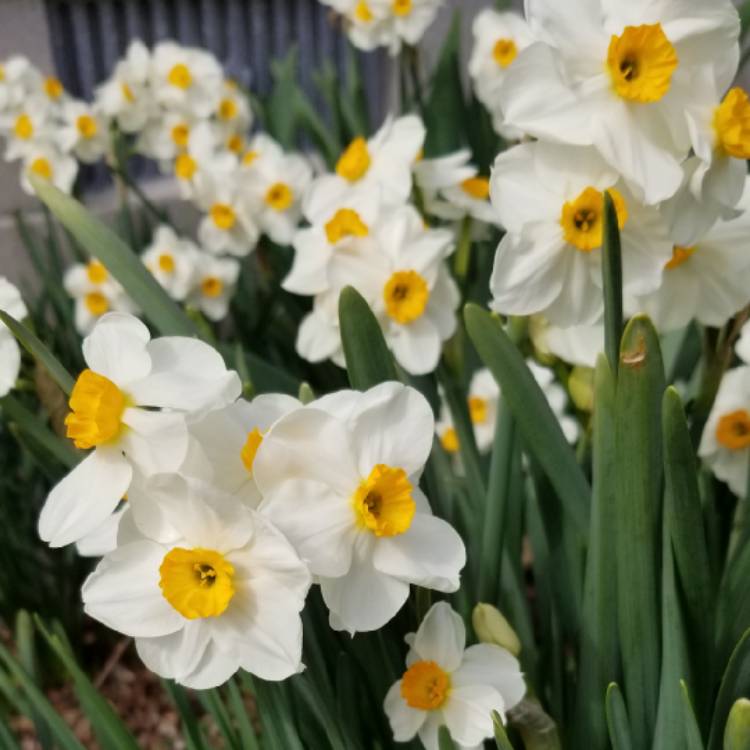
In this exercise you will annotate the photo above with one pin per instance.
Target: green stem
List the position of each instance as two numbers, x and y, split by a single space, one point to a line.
462 259
412 61
133 186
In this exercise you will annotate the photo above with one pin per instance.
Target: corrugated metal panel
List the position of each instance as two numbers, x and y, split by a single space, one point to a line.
88 36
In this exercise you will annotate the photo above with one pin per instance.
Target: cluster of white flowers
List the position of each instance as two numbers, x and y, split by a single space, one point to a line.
214 514
364 232
385 23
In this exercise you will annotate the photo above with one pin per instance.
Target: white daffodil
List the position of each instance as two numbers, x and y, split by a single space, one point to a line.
447 684
405 20
45 161
707 281
498 38
113 405
318 336
277 183
165 136
557 399
126 97
484 399
386 160
172 261
725 445
233 114
212 588
15 78
550 198
83 131
215 281
10 354
445 429
95 293
342 222
743 344
229 224
103 539
225 441
621 76
27 127
186 78
340 478
367 27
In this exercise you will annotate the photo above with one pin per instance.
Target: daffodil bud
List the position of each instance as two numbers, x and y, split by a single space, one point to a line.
737 731
491 627
581 388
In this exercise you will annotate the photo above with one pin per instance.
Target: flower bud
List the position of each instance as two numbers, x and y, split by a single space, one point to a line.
581 388
737 731
491 627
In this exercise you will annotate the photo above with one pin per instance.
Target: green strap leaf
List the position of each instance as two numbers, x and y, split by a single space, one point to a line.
445 741
617 719
638 480
368 359
541 432
118 258
735 684
39 351
692 734
501 738
612 283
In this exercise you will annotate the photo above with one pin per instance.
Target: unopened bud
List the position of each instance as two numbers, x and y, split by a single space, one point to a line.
737 731
491 627
581 388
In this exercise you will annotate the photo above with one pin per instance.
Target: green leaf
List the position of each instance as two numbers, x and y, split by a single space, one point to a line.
191 731
501 738
617 719
692 735
735 684
38 431
212 702
279 726
108 727
612 283
445 742
445 109
280 106
684 512
118 258
744 10
39 351
599 651
638 479
368 359
248 738
539 427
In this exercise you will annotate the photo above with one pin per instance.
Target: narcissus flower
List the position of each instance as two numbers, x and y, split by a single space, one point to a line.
621 76
214 283
27 127
45 161
446 684
209 588
15 82
550 198
340 478
10 354
707 281
725 445
498 39
83 131
172 260
115 411
484 398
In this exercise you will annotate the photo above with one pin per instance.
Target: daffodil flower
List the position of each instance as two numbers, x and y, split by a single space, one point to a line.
10 354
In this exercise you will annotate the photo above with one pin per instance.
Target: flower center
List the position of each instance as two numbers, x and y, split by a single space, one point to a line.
504 52
355 161
249 157
181 134
477 187
96 272
235 143
362 12
641 63
196 582
478 409
42 167
212 286
345 223
402 7
96 303
180 76
679 256
254 439
383 503
166 262
732 124
227 109
449 440
24 127
223 216
582 220
425 685
279 196
96 406
185 167
127 93
2 73
733 430
86 126
406 296
53 88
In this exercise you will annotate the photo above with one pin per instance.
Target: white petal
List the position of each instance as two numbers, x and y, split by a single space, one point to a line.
416 346
405 721
103 539
116 348
429 554
468 713
176 654
155 441
10 362
85 498
486 664
441 637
